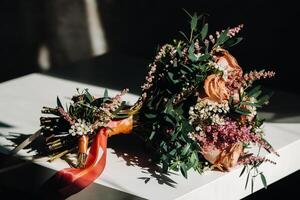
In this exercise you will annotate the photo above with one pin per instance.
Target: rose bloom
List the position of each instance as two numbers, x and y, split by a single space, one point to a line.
223 159
215 88
224 58
214 85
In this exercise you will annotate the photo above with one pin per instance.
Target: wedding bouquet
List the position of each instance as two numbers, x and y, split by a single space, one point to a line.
197 110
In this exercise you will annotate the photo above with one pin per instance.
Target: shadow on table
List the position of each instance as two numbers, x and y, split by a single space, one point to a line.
132 150
17 138
5 125
23 179
128 147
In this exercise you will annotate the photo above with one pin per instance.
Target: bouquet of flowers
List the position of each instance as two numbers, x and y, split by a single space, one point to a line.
198 109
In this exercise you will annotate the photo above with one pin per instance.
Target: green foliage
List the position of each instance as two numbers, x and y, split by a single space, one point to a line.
180 71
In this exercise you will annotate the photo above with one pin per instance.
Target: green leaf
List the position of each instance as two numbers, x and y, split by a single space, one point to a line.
170 119
169 107
242 111
174 136
174 166
183 34
253 91
186 68
105 95
247 180
223 38
252 185
204 31
263 180
194 159
187 13
59 103
173 152
121 116
119 108
243 170
88 96
192 56
232 42
150 115
152 135
251 104
204 57
264 99
179 52
163 145
194 22
183 170
185 149
172 78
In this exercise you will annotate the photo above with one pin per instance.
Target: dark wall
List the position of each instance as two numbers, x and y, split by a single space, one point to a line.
136 27
270 33
25 26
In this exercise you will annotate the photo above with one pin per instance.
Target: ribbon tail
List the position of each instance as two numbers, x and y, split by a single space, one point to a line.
73 180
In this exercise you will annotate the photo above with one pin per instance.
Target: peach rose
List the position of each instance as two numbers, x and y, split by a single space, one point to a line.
224 58
224 159
215 88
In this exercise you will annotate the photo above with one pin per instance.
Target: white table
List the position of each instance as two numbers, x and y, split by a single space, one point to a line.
21 100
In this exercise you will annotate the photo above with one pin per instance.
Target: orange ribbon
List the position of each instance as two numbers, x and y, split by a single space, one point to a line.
73 180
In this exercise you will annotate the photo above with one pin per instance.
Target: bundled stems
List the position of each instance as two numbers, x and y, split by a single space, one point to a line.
82 150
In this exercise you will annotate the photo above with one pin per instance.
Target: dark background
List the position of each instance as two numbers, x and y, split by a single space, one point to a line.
135 28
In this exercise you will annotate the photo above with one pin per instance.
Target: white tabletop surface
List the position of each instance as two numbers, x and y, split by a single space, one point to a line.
21 100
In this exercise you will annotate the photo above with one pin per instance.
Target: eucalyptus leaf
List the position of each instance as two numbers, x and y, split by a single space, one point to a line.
247 180
183 169
242 111
105 95
183 34
251 104
185 149
191 55
232 42
172 78
243 170
194 22
253 91
204 31
88 96
150 115
263 180
179 52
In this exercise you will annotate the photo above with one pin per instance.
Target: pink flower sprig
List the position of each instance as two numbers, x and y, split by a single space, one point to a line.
149 78
233 31
66 116
252 160
221 136
252 76
164 50
115 101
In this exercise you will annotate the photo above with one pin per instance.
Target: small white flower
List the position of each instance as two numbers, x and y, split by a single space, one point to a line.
81 127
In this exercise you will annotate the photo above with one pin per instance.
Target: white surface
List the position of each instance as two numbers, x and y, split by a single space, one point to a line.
22 99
